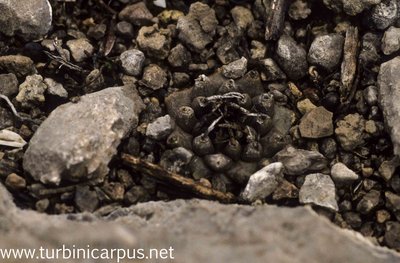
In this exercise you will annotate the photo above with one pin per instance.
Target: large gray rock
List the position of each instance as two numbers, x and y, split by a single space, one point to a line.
228 233
389 92
28 19
77 140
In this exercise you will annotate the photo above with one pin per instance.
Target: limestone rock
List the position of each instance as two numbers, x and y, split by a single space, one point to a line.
389 92
319 189
77 140
28 19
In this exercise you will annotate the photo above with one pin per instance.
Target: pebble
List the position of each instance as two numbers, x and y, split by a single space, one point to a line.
298 161
389 92
125 29
242 17
81 49
55 88
342 175
328 148
370 48
317 123
154 41
6 118
115 191
392 234
179 56
198 27
136 194
97 32
160 128
176 160
393 204
42 205
305 106
258 50
132 61
285 190
240 171
391 40
369 202
137 14
350 131
78 140
154 77
218 162
326 51
353 219
235 69
319 189
291 57
31 91
198 168
85 199
382 216
263 183
385 14
15 182
272 71
8 84
30 20
350 7
19 65
299 9
387 168
371 95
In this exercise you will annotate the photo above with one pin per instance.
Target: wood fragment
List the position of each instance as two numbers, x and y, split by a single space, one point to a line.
276 19
109 41
349 64
173 179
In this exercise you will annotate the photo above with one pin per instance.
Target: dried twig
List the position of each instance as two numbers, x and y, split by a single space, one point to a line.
106 7
176 180
276 19
16 114
64 62
349 64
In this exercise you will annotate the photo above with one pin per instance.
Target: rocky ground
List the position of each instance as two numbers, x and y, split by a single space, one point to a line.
108 104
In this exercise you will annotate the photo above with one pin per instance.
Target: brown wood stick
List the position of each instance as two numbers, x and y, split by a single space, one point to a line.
176 180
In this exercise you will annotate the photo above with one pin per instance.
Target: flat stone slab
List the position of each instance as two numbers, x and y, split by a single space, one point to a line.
198 231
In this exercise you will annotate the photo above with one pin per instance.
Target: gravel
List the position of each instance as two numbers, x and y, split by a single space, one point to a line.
326 51
350 131
342 175
319 189
298 161
81 49
8 84
160 128
291 57
317 123
132 61
391 40
263 183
